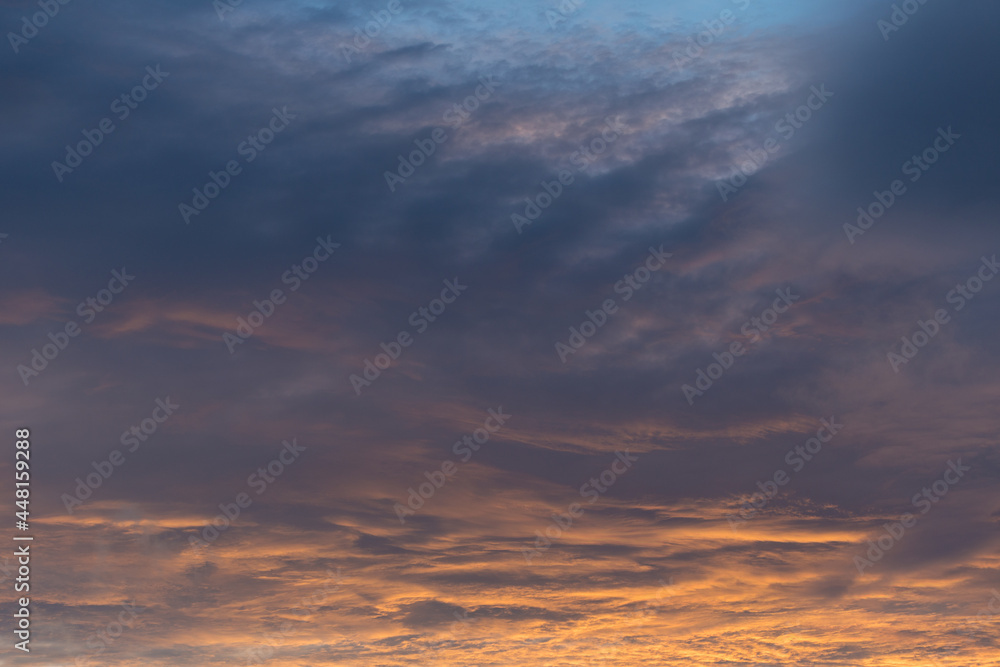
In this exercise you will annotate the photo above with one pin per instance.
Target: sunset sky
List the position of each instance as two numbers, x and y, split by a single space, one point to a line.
390 333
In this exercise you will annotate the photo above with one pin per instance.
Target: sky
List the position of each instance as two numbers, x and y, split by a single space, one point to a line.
476 334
